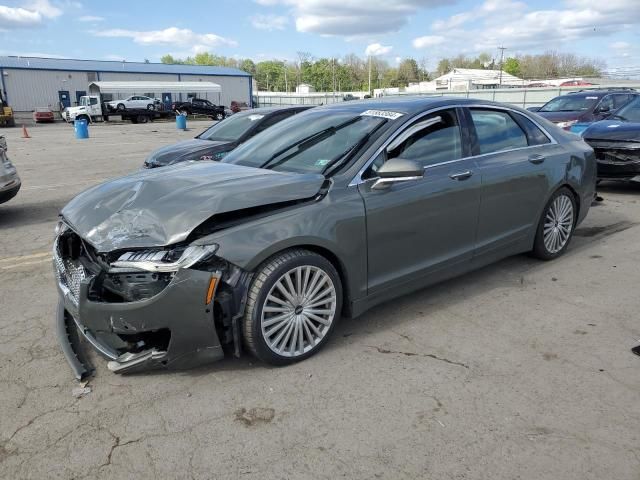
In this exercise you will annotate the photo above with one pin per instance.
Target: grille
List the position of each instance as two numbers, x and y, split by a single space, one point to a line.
68 274
617 156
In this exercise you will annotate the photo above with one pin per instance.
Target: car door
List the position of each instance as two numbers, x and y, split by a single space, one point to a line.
513 156
418 227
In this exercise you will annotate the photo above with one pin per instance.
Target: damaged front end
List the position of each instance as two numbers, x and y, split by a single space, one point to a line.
617 160
170 307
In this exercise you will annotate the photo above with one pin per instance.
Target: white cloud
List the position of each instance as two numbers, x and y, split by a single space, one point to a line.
183 37
620 45
352 17
90 18
428 41
269 22
520 27
32 14
375 49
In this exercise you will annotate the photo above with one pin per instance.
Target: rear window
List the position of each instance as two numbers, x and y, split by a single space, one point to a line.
497 131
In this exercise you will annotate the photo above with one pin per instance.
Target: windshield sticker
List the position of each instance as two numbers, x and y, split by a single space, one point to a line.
321 162
255 117
591 98
381 114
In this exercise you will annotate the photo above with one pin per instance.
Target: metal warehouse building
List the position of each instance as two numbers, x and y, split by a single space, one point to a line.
31 82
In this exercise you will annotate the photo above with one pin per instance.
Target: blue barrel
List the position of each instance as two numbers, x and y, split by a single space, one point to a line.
82 129
181 122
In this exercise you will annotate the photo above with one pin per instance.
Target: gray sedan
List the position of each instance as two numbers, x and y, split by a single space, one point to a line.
324 215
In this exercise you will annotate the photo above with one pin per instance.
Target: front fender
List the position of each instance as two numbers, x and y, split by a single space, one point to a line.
335 224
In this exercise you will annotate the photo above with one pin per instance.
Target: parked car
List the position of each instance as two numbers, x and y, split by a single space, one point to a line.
200 107
616 142
43 115
325 214
218 140
236 106
9 179
134 102
585 106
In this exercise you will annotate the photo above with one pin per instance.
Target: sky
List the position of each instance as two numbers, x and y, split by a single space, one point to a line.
278 29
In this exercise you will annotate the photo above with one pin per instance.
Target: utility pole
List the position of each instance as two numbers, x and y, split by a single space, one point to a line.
286 84
502 49
369 74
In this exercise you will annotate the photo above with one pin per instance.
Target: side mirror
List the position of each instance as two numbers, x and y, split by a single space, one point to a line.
397 170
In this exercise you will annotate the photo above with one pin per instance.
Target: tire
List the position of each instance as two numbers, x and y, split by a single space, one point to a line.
151 106
219 116
120 107
143 119
315 272
558 220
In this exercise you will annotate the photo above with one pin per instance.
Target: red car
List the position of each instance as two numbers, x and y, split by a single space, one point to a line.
43 115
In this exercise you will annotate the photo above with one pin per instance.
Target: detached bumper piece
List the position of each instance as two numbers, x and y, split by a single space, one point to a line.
70 343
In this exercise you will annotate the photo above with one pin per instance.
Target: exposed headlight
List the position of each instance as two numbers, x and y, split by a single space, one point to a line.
61 227
566 125
165 260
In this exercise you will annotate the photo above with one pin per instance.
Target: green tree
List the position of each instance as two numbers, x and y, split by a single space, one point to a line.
512 66
169 59
408 71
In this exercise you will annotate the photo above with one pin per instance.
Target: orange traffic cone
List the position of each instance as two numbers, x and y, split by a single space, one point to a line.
25 134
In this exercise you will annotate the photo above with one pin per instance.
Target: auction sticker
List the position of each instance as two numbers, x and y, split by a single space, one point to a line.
381 114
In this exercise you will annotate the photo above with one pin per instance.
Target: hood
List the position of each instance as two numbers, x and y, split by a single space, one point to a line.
79 108
556 117
186 150
154 208
613 130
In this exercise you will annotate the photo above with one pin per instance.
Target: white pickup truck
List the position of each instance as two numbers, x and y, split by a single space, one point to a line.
92 109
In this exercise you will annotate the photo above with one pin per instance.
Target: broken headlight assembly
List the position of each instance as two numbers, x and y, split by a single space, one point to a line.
164 261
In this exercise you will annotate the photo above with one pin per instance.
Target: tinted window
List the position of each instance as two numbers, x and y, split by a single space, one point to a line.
272 120
534 134
232 128
497 131
620 100
630 112
437 143
606 104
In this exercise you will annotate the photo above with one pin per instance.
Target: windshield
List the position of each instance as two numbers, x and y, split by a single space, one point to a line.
232 128
630 112
310 142
570 103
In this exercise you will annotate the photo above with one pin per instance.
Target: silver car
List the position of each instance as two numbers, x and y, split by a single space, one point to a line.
9 179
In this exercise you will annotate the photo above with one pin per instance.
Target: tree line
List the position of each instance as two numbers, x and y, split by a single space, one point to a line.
353 73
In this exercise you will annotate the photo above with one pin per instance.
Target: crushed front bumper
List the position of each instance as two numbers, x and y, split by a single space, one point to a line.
124 332
617 160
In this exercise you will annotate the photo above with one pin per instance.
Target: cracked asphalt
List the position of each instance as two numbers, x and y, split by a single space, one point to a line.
521 370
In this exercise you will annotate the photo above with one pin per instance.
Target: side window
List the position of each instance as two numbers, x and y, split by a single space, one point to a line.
535 136
436 143
497 131
93 101
606 104
620 100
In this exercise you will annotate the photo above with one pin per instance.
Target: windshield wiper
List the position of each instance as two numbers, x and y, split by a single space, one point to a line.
345 156
306 143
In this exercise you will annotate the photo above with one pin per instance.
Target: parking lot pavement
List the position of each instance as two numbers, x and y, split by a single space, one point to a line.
519 370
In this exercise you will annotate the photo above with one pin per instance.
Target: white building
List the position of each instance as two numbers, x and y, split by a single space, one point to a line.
305 88
464 79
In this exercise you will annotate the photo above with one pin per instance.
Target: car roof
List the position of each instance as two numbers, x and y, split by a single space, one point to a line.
601 92
409 104
269 110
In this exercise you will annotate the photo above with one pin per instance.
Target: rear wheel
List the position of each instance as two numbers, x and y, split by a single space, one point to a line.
293 304
143 119
556 225
151 106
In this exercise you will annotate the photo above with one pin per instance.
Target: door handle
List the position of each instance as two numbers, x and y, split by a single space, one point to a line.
536 158
461 175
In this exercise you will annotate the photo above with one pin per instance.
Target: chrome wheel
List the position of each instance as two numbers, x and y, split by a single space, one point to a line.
558 223
298 311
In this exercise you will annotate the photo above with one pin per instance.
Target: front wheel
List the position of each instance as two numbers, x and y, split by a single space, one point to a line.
556 225
120 107
293 304
151 107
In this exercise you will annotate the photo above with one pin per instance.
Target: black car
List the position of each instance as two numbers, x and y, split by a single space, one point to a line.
616 142
199 106
585 106
218 140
